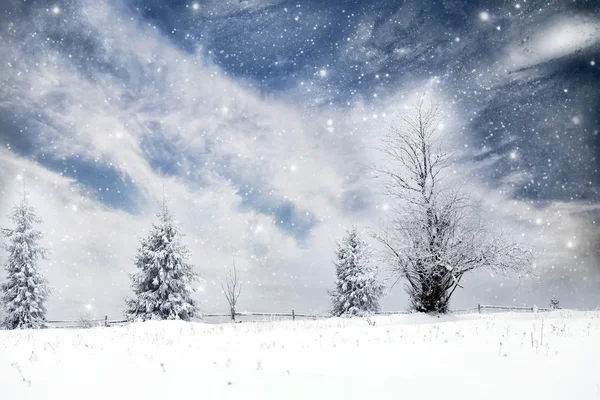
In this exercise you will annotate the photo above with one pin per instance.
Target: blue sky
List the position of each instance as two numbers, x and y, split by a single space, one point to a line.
257 118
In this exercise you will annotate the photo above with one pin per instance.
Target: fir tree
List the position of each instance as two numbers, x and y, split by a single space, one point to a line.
25 290
162 285
357 288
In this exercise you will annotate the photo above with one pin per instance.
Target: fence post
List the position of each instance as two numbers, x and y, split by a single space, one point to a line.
293 315
106 320
479 308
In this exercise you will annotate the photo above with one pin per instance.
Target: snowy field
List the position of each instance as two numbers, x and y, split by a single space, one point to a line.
489 356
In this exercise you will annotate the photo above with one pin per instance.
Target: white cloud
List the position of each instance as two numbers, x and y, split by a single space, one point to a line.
104 120
557 39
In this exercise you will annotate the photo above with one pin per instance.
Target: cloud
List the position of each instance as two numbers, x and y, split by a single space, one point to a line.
556 39
230 161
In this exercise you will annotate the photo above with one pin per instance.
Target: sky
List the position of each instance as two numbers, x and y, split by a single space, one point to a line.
257 121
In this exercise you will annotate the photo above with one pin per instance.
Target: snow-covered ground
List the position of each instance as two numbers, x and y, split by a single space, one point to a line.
493 356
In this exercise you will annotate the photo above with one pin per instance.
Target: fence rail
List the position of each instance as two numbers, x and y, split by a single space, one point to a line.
511 308
262 316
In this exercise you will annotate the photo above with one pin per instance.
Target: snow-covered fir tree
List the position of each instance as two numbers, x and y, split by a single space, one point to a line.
357 287
163 285
25 290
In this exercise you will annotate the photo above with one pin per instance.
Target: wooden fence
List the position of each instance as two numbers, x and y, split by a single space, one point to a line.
511 308
264 316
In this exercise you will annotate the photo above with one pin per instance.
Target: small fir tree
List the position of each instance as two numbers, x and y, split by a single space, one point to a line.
25 290
357 287
163 285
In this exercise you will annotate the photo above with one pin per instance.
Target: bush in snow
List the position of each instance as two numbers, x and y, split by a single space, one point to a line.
554 303
26 289
162 285
357 288
86 321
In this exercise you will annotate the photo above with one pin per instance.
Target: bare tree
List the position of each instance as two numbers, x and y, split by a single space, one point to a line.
232 289
434 236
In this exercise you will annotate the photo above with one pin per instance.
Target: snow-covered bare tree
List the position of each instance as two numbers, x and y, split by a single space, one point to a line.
25 290
434 235
357 287
163 285
232 288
